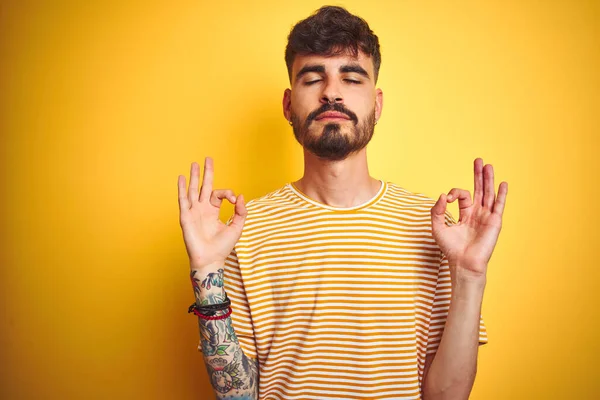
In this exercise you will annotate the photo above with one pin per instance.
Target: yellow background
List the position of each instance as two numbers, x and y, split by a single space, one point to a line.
104 104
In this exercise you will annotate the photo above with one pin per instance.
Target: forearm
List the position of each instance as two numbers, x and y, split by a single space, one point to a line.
453 369
231 372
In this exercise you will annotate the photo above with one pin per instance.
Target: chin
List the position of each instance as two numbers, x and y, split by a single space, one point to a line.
332 127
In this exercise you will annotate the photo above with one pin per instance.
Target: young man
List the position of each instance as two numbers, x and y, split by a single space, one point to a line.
341 285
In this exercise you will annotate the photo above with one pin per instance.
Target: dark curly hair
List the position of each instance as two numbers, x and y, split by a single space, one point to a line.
331 31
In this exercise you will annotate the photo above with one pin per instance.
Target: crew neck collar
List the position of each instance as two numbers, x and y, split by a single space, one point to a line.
316 203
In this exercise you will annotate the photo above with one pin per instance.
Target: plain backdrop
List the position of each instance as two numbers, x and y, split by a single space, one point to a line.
104 103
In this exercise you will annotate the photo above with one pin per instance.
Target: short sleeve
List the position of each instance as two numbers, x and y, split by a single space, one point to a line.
441 304
241 316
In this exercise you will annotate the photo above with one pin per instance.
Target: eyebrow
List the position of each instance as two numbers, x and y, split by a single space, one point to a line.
321 69
310 68
355 68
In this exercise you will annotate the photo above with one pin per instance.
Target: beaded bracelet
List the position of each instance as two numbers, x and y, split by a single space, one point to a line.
212 318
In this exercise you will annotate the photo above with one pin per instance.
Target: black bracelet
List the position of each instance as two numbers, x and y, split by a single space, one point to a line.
210 309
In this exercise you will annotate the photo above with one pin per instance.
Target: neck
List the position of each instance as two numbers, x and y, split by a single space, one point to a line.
343 184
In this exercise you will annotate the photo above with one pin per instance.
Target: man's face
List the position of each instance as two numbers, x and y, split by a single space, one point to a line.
333 104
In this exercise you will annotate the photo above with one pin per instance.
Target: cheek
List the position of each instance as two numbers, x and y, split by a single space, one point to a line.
368 106
296 101
301 106
369 99
361 102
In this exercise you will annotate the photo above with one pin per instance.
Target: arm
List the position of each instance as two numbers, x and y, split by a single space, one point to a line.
468 245
231 372
208 243
450 373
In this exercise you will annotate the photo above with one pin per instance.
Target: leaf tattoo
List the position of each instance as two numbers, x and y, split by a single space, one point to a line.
213 279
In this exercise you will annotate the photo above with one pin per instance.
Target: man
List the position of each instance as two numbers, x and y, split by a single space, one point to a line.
341 285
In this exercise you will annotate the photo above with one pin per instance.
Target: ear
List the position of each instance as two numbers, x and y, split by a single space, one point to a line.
378 104
287 104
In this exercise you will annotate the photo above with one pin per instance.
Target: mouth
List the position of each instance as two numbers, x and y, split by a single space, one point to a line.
332 116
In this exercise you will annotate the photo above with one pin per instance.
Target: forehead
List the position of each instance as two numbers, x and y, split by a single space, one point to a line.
332 64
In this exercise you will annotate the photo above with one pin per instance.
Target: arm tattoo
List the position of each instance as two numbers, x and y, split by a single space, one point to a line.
233 375
195 283
214 278
239 374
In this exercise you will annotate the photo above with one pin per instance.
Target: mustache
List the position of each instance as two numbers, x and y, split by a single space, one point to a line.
339 107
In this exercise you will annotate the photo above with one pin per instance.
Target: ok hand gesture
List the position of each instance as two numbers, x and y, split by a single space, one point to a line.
468 245
208 241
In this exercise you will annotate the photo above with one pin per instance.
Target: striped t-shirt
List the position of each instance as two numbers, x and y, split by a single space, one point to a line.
339 303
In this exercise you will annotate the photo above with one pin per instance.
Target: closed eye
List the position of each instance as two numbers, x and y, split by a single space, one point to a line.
352 81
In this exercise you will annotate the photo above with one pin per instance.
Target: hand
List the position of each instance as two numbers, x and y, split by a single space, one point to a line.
208 241
468 245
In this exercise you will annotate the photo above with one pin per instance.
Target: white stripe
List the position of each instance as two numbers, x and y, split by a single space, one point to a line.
355 390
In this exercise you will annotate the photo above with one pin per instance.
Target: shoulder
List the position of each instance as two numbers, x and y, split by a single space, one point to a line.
281 197
409 201
270 212
273 206
406 198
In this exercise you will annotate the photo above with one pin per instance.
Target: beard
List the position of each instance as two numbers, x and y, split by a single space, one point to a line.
335 142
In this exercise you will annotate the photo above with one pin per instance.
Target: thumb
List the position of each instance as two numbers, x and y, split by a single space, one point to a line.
438 211
239 217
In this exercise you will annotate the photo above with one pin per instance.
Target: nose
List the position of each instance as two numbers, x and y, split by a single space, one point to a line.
331 93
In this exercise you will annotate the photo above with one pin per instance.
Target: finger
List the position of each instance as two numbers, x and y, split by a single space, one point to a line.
184 204
438 214
464 202
463 196
478 173
489 191
501 199
193 190
207 179
240 213
217 196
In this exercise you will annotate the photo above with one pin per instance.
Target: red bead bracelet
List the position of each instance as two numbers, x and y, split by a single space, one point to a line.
216 317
